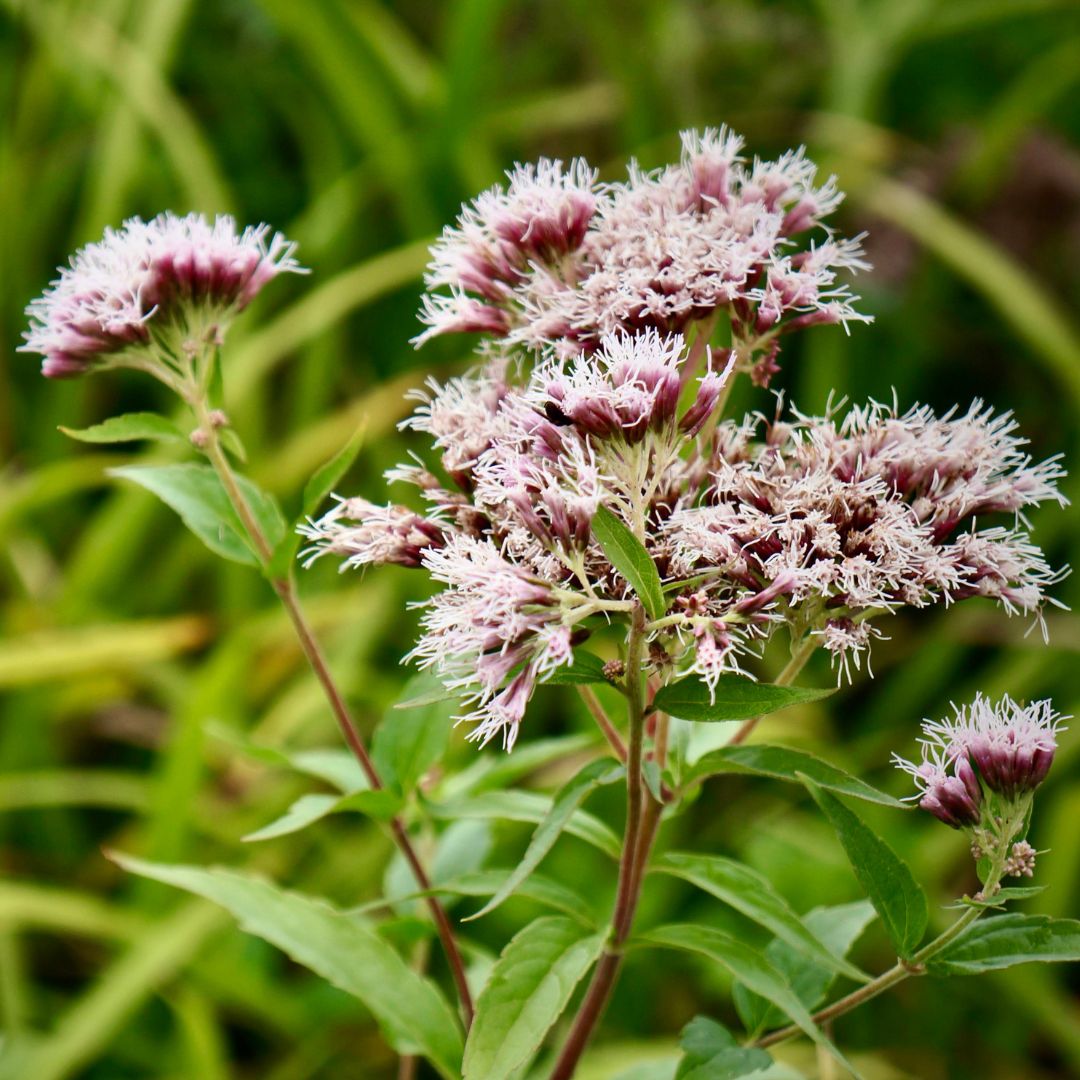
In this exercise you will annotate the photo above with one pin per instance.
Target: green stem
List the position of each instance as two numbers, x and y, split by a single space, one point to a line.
903 969
286 590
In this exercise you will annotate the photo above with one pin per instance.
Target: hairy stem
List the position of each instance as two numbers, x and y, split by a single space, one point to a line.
786 677
640 829
285 588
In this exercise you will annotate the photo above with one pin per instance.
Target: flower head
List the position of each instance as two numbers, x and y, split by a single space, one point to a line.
492 634
1001 748
147 279
558 261
1011 745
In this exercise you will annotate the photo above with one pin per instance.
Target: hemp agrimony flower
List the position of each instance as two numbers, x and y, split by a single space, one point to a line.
150 287
979 770
558 260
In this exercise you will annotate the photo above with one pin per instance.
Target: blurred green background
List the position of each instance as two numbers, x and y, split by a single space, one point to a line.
358 127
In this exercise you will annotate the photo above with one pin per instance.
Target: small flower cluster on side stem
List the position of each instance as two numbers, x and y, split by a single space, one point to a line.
979 771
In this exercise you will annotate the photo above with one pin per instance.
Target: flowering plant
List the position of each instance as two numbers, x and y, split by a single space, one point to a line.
593 518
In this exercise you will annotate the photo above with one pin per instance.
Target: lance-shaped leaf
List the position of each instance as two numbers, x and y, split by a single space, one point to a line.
409 742
837 927
542 890
380 805
894 892
1000 941
326 477
527 806
733 698
344 949
586 668
128 428
627 554
526 993
752 894
749 966
783 763
712 1053
321 484
196 494
566 801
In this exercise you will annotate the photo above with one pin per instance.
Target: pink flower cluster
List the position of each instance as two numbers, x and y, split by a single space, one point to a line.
820 523
556 260
147 277
1004 748
859 517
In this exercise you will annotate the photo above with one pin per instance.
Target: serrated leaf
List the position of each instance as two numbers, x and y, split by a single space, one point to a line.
564 804
838 927
489 771
346 950
712 1053
424 688
747 965
407 743
894 892
128 428
752 894
336 766
196 494
527 806
784 763
526 993
1000 898
1000 941
586 668
326 477
733 698
542 890
380 804
628 555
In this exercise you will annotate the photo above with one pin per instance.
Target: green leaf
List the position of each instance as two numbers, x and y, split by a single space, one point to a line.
627 554
711 1053
335 766
586 668
1000 941
752 894
734 698
838 928
527 991
1000 898
345 950
565 803
490 771
747 965
196 494
326 477
527 806
894 892
424 688
783 763
542 890
381 805
407 743
128 428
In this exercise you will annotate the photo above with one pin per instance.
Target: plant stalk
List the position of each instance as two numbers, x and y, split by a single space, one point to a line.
641 823
903 969
285 588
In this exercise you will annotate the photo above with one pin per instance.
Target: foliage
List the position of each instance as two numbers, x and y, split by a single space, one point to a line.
158 704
